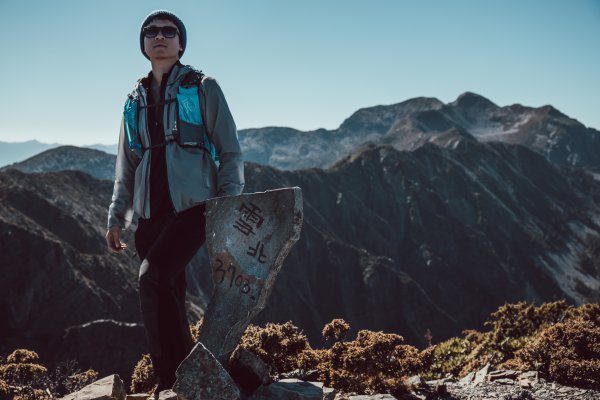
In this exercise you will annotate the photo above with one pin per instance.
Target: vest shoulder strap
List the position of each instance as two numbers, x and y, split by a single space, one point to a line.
192 78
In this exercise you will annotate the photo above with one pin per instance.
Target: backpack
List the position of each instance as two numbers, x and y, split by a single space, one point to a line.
189 129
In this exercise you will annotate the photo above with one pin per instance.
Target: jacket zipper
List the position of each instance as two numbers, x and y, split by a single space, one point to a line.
147 164
163 90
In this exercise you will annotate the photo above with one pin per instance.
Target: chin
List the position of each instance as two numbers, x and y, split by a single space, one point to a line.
162 57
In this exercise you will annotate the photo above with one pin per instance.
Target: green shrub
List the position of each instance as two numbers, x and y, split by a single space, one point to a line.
30 380
375 362
279 345
22 356
4 390
22 374
568 352
512 327
561 340
336 330
143 379
448 357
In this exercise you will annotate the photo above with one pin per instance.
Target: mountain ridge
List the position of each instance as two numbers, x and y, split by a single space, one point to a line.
413 122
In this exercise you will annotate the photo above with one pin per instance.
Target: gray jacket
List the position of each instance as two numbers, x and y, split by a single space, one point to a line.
193 176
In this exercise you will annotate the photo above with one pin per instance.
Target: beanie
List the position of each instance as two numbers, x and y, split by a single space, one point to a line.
164 14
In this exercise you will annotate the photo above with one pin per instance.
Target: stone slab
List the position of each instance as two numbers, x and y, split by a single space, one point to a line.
290 389
109 388
248 237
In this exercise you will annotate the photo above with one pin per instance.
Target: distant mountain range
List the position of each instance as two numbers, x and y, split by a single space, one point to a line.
405 126
13 152
98 164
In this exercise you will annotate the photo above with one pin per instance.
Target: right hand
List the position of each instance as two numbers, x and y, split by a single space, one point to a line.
113 239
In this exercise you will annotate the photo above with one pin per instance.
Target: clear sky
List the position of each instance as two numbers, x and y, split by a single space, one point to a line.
68 65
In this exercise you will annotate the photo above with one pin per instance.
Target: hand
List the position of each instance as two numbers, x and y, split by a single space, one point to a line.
113 239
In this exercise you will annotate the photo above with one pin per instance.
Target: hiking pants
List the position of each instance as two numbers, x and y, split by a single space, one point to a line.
165 245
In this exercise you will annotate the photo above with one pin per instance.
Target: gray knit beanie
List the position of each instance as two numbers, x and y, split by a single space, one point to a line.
164 14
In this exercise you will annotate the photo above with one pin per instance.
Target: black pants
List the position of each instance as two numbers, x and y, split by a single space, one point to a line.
165 245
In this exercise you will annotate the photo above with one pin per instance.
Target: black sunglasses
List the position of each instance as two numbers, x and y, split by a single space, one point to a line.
167 31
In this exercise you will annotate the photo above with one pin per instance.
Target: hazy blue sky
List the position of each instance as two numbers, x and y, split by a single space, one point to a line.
68 65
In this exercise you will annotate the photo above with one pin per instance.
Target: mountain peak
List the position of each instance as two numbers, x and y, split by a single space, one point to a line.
381 118
473 100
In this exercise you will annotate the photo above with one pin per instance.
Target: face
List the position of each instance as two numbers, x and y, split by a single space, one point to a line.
161 47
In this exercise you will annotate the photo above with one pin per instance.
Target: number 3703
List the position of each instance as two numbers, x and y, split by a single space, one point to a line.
232 275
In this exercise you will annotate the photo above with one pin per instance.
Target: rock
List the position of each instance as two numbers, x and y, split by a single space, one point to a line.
108 388
416 382
504 381
528 379
201 376
310 375
467 379
167 395
137 396
503 374
372 397
248 370
481 374
248 237
329 393
290 389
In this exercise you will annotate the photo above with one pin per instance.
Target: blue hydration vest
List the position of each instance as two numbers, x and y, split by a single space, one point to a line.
189 129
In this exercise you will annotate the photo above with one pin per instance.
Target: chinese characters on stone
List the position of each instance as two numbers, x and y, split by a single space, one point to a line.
250 220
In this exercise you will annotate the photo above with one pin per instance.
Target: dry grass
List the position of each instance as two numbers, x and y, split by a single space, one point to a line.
22 378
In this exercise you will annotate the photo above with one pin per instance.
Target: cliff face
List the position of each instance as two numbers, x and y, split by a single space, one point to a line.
473 227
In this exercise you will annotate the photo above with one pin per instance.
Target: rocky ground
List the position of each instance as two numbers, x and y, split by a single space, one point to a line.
502 385
484 385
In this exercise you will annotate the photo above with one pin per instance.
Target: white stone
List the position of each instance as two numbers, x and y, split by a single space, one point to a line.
108 388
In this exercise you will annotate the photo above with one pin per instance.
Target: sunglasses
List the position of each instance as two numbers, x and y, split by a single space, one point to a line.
167 31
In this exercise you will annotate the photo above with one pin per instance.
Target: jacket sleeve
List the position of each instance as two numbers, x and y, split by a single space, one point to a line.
120 211
221 127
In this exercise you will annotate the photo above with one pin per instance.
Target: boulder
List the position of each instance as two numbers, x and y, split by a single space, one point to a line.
108 388
502 374
201 377
481 374
168 395
290 389
248 370
467 379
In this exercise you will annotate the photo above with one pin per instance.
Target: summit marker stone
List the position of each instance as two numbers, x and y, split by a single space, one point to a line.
248 237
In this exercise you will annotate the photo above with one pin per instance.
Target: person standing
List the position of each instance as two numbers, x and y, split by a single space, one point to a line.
176 125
